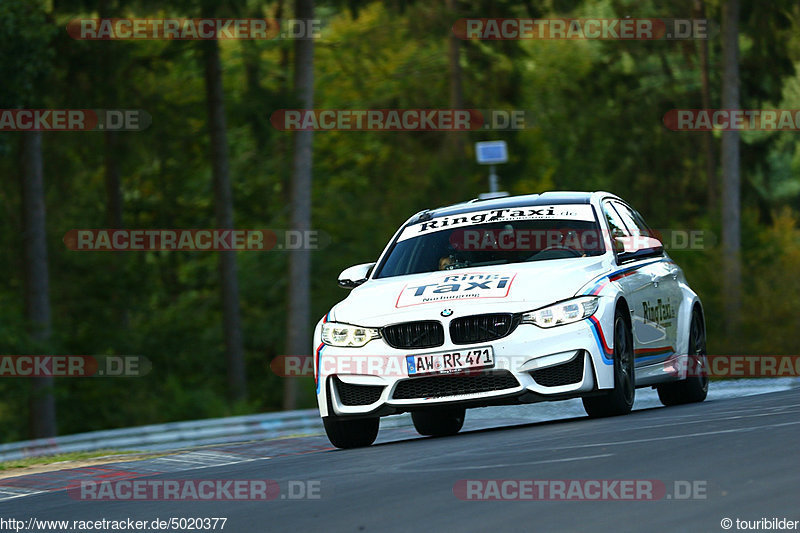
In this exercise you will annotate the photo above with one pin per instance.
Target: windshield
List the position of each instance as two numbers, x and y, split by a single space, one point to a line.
497 237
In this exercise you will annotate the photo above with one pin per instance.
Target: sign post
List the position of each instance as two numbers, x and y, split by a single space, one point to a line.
492 153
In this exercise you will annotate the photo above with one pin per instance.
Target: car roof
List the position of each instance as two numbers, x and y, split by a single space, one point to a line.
509 202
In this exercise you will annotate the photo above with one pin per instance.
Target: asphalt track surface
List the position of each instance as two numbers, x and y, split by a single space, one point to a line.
743 450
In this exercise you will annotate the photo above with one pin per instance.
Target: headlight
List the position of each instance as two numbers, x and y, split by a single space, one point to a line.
562 313
335 334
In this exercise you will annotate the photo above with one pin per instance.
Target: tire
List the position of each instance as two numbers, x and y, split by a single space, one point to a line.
438 423
619 400
692 389
347 433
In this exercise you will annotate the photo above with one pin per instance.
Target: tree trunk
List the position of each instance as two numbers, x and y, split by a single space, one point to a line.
298 333
252 74
114 214
456 139
111 138
454 59
283 54
42 408
112 179
708 136
223 207
731 190
281 143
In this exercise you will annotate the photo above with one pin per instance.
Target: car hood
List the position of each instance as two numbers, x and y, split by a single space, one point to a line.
507 288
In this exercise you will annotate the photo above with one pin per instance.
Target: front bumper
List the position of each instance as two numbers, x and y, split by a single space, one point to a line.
531 364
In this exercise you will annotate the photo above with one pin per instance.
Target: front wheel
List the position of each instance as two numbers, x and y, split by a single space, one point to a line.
695 387
355 433
439 423
619 400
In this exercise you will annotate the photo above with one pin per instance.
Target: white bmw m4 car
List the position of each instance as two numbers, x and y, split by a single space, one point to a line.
510 300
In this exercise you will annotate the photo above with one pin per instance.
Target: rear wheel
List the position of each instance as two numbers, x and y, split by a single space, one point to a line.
695 387
347 433
619 400
438 423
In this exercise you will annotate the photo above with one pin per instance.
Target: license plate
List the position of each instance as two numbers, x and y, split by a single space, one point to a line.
448 362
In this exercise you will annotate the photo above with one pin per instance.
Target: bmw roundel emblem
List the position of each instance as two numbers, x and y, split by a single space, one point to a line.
447 312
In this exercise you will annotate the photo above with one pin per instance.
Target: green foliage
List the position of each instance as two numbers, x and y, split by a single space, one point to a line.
25 35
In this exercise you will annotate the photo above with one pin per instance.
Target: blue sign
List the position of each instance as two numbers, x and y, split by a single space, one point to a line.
491 152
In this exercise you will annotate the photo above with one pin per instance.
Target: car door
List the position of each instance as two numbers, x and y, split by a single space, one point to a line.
657 329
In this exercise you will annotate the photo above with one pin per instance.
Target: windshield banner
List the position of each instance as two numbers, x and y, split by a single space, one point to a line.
580 212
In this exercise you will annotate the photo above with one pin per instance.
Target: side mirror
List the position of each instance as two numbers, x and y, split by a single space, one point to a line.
634 247
352 277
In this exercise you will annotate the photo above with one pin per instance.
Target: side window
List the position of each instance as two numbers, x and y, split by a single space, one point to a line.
615 223
632 220
642 224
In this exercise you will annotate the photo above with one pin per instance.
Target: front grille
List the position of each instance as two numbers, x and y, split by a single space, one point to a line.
450 385
482 328
351 394
563 374
423 334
